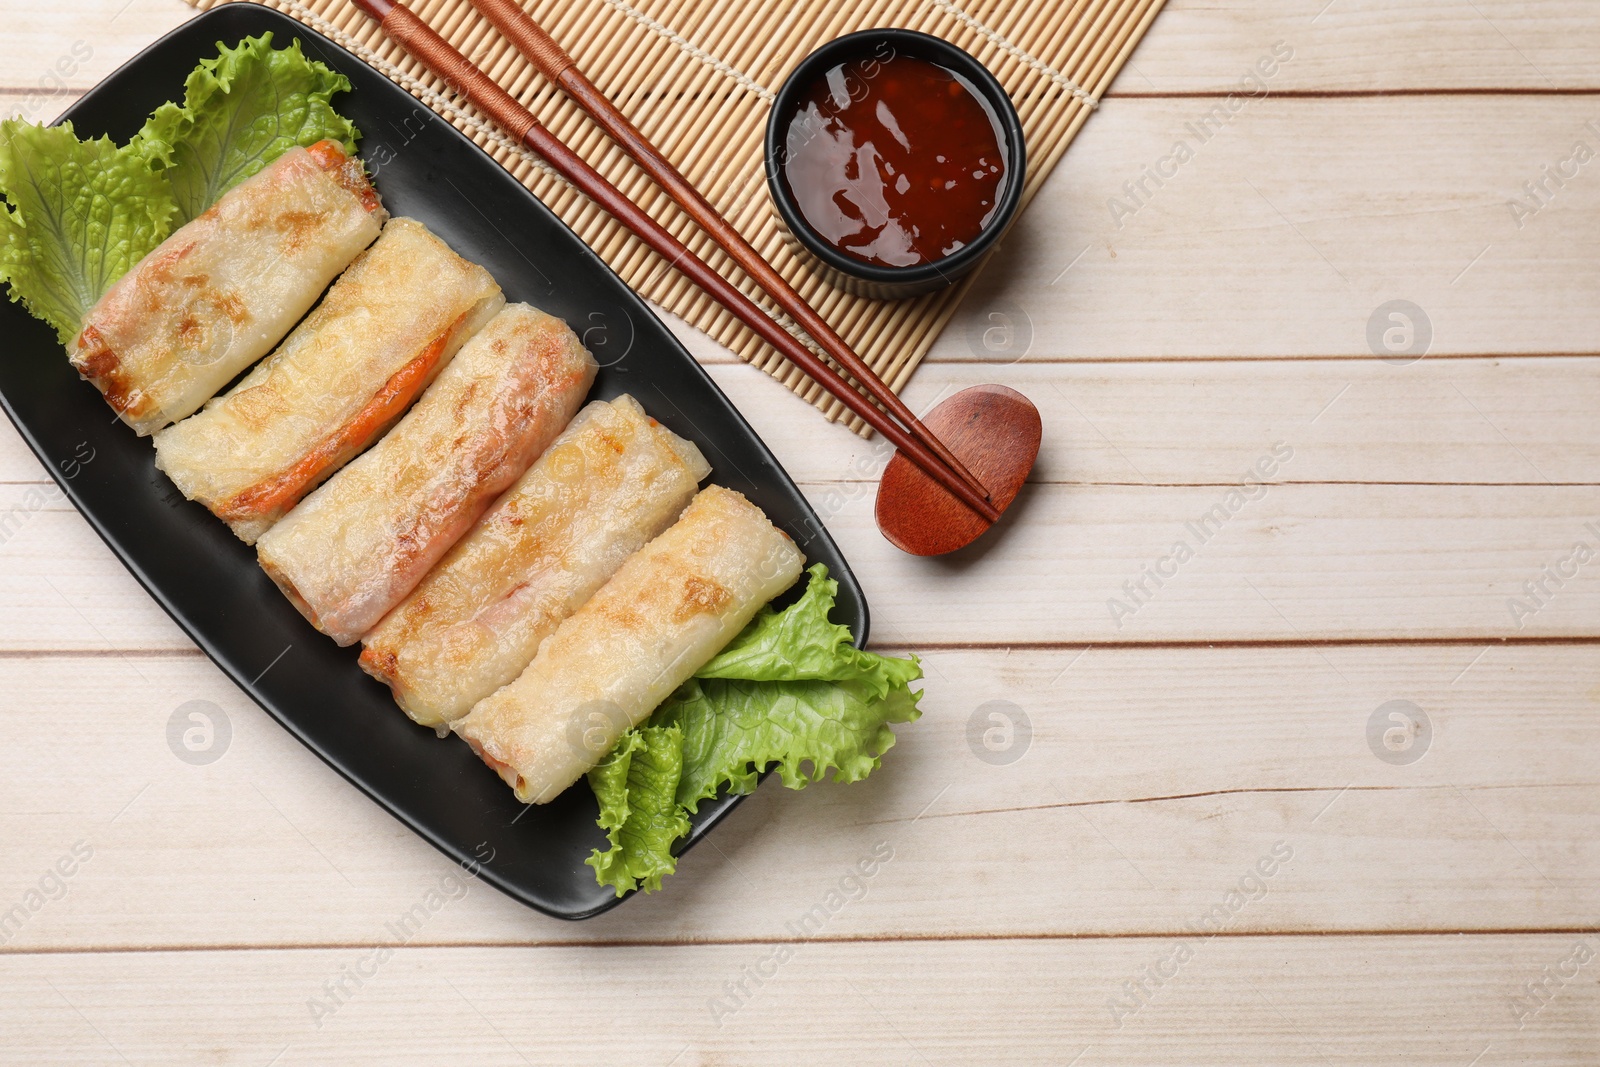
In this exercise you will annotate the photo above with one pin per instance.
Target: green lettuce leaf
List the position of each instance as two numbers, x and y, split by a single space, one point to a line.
77 214
800 644
791 690
241 111
733 730
637 784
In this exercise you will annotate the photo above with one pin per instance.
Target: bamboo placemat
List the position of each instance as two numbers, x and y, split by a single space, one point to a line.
698 76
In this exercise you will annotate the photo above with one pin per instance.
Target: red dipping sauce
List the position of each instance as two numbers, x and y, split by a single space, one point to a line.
896 162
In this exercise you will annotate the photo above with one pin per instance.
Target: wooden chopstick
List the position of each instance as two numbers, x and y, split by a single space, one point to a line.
554 63
419 39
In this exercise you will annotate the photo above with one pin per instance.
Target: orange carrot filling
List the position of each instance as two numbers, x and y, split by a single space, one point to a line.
279 493
347 171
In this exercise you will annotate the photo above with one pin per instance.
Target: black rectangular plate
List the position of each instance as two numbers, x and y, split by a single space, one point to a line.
209 582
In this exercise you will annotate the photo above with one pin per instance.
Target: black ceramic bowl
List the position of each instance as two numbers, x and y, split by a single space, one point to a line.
845 271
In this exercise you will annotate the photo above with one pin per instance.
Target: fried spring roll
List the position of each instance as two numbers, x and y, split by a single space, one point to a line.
661 617
612 481
355 547
217 295
388 326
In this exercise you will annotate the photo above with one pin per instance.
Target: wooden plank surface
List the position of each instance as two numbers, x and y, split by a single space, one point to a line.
1233 722
1236 254
1195 46
1370 46
1068 566
51 49
1116 809
1270 1001
1447 422
1457 422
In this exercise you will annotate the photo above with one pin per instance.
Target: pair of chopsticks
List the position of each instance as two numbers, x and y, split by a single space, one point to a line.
908 434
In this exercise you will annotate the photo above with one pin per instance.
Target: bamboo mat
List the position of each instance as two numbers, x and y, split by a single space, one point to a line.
698 76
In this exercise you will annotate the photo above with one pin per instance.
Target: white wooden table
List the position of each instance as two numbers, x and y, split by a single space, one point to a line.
1221 842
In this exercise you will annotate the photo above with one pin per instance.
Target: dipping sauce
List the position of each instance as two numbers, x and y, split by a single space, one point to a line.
895 162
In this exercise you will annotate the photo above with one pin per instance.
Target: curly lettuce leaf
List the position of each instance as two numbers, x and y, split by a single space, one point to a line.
735 729
241 111
637 786
790 691
801 644
77 214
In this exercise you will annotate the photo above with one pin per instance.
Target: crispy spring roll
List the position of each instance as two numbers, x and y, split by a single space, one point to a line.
670 608
612 481
355 547
220 292
388 326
